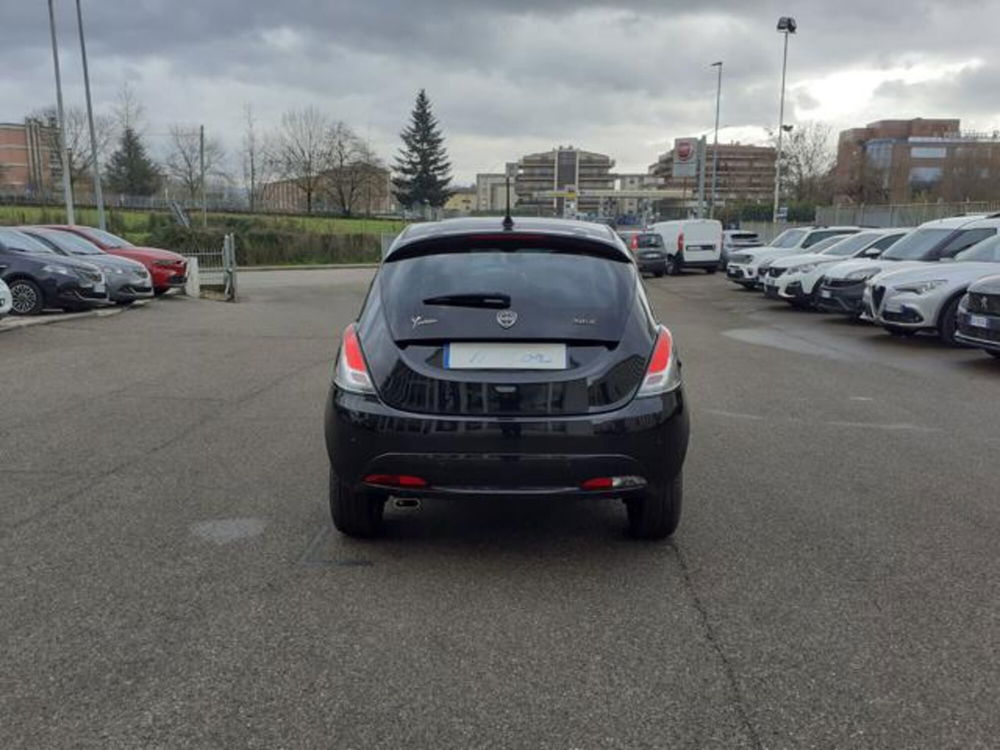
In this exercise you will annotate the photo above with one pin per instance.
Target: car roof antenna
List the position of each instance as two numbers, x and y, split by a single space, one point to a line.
508 221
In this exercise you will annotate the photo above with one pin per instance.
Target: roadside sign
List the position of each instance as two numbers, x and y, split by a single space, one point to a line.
685 157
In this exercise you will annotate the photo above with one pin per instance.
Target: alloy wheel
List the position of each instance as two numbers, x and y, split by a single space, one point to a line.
23 298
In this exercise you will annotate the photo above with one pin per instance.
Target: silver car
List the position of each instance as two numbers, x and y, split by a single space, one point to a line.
128 280
927 298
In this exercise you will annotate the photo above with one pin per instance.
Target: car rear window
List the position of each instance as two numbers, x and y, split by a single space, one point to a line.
557 295
821 235
650 240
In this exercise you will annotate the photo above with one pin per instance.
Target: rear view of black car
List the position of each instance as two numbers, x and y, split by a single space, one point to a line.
650 254
39 278
496 361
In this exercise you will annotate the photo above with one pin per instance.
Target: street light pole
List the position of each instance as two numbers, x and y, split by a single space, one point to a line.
64 155
715 144
95 167
786 25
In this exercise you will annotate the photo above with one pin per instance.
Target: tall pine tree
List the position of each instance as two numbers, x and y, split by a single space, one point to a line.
422 166
130 171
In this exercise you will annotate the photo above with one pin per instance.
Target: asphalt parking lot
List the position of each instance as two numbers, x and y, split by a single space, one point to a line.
169 577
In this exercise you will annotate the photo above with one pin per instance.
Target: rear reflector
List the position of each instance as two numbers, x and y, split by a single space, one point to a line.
613 483
395 480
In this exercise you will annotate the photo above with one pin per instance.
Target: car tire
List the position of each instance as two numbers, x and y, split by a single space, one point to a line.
125 302
948 322
710 271
673 267
657 513
26 297
160 292
658 274
356 513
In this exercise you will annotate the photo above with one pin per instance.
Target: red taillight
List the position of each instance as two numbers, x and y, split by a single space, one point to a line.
352 372
663 372
598 483
395 480
634 242
680 242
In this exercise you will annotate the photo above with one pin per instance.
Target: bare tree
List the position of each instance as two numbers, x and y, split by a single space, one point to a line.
258 160
129 110
183 162
807 158
78 140
302 151
353 169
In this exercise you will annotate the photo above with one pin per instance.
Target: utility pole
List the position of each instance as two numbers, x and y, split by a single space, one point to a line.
63 153
95 168
702 148
715 144
201 166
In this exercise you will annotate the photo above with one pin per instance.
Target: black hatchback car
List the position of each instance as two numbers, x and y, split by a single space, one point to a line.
39 278
507 359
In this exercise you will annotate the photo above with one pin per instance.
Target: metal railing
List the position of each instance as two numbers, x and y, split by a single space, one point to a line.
900 214
216 270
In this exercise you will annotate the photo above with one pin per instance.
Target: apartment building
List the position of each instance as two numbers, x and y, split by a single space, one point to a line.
745 173
29 157
902 160
555 182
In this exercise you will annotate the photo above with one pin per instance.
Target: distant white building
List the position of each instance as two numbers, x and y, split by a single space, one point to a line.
491 189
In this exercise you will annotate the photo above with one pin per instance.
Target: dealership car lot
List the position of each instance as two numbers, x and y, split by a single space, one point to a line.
170 578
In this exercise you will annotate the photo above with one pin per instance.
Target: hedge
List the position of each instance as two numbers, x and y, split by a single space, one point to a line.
266 247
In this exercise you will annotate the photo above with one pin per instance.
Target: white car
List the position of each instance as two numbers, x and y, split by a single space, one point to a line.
6 300
927 298
794 278
744 265
842 287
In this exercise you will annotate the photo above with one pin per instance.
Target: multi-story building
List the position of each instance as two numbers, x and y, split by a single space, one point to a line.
745 173
556 182
29 156
899 160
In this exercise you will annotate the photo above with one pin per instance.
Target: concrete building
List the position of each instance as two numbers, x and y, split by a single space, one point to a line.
555 182
491 189
745 173
29 158
896 161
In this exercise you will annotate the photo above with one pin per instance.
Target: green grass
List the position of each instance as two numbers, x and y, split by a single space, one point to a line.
134 223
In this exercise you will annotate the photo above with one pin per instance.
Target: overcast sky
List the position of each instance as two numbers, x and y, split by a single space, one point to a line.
508 77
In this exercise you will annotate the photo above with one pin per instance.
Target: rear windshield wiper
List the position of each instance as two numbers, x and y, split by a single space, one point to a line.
494 300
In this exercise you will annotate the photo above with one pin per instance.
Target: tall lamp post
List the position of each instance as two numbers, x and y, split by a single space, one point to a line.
786 26
715 144
95 167
66 179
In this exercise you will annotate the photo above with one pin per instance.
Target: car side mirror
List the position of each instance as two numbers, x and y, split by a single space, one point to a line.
871 253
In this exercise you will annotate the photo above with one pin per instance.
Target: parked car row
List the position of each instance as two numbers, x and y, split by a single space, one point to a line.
942 277
76 268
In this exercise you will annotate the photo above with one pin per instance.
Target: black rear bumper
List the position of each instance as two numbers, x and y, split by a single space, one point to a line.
489 456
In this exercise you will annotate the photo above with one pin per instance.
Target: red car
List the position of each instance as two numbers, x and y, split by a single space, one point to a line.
168 269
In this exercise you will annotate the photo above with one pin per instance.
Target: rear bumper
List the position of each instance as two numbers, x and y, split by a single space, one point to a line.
473 456
652 265
711 263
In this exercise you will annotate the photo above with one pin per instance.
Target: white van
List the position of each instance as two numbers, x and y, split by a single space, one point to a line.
691 243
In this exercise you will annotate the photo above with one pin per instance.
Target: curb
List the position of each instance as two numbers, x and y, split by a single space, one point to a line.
14 323
317 267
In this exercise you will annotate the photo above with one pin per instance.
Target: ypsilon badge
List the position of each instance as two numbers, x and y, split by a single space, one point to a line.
506 318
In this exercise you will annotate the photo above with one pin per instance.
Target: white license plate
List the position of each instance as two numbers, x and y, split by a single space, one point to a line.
978 321
503 356
825 293
99 288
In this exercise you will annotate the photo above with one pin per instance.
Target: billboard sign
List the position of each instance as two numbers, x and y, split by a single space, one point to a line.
685 157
